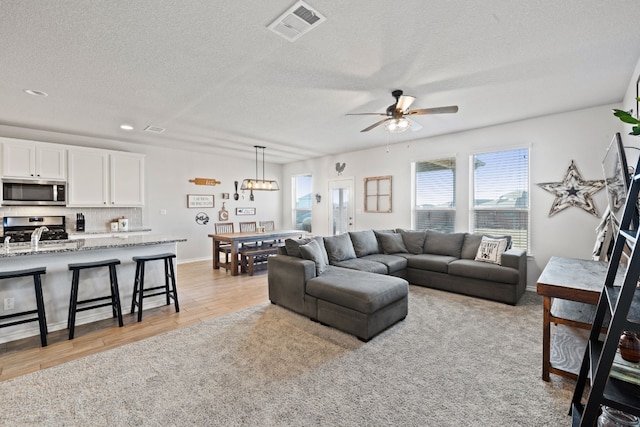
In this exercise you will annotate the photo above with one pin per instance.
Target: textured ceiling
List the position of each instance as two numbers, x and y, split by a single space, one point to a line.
219 81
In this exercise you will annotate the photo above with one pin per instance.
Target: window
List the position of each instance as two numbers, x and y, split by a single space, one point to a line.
301 195
501 194
435 206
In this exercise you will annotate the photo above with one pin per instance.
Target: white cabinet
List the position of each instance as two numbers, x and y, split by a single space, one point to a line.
27 159
105 178
126 179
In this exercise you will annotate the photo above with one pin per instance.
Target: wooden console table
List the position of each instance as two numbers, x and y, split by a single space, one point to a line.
575 286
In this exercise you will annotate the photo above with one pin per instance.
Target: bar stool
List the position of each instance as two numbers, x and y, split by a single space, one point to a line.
139 290
113 299
41 318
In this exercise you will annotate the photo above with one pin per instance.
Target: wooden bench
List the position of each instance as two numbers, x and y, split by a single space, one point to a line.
250 254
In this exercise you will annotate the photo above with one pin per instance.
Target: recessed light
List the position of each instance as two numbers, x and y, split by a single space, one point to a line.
126 127
36 92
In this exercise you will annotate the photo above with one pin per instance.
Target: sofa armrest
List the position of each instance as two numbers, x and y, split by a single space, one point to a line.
287 277
514 258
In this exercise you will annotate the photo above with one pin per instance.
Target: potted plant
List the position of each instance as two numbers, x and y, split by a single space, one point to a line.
626 117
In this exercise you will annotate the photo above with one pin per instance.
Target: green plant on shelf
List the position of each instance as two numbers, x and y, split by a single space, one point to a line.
626 117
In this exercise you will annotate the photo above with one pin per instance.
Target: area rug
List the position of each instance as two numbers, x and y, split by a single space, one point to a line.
454 361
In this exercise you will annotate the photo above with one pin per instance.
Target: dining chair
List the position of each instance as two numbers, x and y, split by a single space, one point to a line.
269 226
247 227
223 228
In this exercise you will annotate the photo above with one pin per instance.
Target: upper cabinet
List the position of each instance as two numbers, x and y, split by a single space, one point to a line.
105 178
32 160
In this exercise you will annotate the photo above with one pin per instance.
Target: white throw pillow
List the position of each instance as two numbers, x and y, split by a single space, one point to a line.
490 250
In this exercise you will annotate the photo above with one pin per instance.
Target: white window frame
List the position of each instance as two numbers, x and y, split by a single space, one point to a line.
472 206
414 189
294 200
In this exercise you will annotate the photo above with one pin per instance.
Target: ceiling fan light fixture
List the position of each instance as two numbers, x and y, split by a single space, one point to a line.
259 184
398 125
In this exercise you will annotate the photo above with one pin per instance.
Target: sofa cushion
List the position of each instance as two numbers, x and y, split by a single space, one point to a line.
364 242
361 264
313 252
292 246
491 250
392 243
357 290
339 248
472 243
484 271
414 240
438 243
393 262
431 262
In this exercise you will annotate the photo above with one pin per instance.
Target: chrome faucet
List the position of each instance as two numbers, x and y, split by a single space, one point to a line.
35 236
6 243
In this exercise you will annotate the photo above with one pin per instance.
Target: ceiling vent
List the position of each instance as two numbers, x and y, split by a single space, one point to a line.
299 19
154 129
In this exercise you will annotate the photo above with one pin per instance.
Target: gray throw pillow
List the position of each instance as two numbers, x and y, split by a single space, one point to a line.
364 242
313 252
292 246
339 248
414 240
392 243
438 243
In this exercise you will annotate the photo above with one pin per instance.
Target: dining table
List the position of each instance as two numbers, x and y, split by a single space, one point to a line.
237 239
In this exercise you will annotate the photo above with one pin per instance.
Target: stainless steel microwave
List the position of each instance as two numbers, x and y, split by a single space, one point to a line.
19 192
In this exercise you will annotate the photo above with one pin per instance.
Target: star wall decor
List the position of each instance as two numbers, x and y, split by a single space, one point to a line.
573 191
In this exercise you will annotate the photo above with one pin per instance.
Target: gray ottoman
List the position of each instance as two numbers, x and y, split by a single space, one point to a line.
356 302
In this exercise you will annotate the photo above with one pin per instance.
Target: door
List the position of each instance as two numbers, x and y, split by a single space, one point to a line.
342 206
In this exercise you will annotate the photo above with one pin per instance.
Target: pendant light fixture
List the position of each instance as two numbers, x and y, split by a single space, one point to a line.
259 184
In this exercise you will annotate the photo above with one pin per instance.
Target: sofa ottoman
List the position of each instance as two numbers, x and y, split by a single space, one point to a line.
360 303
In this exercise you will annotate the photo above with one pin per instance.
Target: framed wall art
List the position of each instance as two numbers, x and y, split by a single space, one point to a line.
377 194
199 200
245 211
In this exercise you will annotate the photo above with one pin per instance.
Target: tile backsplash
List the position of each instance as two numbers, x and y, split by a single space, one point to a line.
96 219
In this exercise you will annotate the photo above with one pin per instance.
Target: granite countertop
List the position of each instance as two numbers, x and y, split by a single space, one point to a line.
58 246
90 232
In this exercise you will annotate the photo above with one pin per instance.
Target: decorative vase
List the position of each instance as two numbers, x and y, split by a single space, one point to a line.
630 347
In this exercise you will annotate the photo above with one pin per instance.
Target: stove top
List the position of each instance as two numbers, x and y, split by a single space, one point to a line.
21 227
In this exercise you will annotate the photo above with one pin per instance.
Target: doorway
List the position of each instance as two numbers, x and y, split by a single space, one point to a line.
342 206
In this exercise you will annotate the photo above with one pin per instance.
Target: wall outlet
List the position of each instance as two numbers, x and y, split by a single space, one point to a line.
163 211
8 303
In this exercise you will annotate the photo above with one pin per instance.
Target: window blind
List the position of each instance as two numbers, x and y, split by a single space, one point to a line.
501 194
435 194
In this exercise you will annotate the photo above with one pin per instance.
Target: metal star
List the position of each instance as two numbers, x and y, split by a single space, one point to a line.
573 191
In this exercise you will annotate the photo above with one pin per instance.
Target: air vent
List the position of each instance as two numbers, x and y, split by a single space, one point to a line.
154 129
299 19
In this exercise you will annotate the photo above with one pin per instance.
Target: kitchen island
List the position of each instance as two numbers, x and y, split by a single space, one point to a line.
56 283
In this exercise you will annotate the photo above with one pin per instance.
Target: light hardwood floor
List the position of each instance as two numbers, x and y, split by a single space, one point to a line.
203 293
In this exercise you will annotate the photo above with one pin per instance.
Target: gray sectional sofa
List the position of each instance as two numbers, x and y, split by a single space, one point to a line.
358 281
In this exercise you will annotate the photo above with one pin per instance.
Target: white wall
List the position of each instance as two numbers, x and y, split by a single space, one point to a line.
167 184
582 136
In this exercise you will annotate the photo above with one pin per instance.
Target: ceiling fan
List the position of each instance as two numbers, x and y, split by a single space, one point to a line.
396 120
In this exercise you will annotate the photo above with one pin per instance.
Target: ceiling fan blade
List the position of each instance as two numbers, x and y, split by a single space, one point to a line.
415 126
365 114
436 110
404 102
367 129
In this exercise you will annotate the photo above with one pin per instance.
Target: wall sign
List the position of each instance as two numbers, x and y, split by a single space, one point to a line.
199 200
245 211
